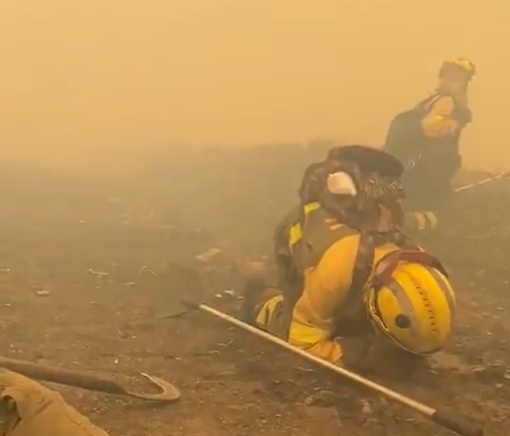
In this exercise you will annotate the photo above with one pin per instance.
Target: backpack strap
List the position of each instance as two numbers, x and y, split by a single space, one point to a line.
364 262
425 106
363 265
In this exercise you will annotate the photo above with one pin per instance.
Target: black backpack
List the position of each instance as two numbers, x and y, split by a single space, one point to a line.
405 137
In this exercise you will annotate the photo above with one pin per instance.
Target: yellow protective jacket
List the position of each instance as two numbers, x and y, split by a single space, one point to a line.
442 118
442 125
325 290
327 253
28 408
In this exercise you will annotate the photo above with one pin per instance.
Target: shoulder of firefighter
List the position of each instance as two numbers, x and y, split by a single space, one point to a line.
448 113
28 408
444 117
405 297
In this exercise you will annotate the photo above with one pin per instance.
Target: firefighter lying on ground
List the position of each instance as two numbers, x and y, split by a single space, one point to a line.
29 409
362 294
426 139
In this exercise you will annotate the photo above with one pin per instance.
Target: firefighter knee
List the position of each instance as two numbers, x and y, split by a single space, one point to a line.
272 318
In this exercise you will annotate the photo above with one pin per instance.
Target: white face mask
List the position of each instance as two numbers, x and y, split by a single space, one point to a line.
341 183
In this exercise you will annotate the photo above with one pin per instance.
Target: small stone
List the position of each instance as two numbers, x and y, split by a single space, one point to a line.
366 407
488 374
322 398
208 255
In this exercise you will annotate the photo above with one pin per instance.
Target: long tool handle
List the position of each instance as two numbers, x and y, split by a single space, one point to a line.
62 376
457 424
51 374
498 176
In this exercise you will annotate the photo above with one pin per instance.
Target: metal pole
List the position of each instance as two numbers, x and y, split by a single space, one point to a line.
456 424
483 181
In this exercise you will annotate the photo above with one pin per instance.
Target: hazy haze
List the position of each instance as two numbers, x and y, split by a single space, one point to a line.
88 76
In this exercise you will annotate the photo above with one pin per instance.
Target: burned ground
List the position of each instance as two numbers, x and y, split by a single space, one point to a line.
76 255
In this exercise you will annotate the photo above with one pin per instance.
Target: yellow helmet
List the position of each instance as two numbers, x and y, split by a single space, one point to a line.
412 302
461 65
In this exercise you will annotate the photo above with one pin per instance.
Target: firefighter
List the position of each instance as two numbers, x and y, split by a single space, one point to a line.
426 139
358 185
352 294
360 297
28 409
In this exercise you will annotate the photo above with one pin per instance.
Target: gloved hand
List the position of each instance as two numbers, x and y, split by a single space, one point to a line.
463 114
379 356
29 409
387 360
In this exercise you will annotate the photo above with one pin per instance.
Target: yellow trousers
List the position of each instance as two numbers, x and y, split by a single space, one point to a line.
372 353
273 318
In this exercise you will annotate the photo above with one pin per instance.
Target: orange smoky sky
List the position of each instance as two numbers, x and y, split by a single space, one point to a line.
86 77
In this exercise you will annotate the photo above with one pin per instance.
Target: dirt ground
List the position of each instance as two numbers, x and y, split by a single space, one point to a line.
76 255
